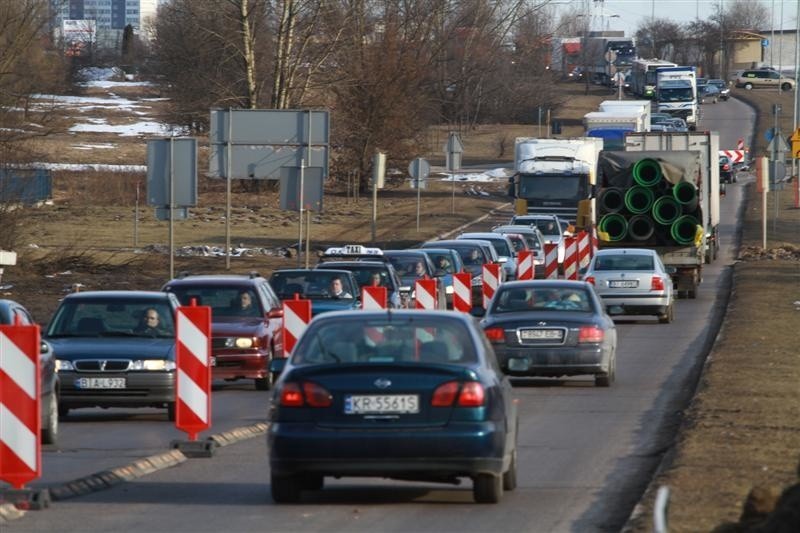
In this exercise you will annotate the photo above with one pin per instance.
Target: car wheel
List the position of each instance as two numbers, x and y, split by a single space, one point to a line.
786 87
510 475
285 489
171 411
748 86
605 380
487 488
668 316
50 423
63 411
267 381
733 179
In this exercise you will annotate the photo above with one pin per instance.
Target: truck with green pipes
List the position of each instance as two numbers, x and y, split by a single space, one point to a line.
657 199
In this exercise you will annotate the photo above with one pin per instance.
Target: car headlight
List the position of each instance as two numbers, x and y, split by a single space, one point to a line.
61 364
240 342
448 289
152 364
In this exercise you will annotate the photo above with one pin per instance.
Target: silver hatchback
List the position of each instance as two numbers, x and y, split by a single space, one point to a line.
632 281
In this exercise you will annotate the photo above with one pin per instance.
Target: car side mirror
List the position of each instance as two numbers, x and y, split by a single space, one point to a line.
44 348
275 313
277 365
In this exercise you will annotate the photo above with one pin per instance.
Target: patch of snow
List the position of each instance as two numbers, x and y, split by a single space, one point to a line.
83 101
125 130
100 73
155 99
76 167
497 174
107 84
89 146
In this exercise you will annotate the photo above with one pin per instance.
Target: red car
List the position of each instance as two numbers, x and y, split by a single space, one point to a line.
246 323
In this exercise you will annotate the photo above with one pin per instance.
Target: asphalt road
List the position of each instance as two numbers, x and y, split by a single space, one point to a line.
586 454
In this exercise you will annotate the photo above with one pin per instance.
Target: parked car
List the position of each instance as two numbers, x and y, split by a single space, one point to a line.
10 312
446 262
727 170
552 328
415 395
412 265
633 282
502 245
724 90
315 285
244 339
748 79
106 356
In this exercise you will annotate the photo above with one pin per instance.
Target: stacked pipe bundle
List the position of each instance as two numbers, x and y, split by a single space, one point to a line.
645 199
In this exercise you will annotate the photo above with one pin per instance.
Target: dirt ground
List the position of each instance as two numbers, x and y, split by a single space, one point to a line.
740 431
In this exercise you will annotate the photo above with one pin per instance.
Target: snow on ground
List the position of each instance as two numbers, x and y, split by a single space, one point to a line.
75 167
107 84
495 174
90 146
88 102
125 130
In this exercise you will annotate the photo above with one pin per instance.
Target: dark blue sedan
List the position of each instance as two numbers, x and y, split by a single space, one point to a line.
413 395
315 285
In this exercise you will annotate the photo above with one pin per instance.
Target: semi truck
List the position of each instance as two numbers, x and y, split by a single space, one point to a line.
612 122
676 93
707 143
643 76
656 199
553 175
608 53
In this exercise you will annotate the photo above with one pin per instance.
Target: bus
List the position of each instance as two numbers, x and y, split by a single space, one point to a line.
643 76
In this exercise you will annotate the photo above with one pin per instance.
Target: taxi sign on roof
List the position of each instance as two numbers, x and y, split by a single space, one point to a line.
353 249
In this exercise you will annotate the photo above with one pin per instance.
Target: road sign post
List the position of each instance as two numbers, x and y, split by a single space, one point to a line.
419 169
453 151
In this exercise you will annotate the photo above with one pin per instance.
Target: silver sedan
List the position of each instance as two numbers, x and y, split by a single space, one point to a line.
632 281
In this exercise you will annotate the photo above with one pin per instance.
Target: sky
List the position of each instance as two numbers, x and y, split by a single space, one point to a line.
627 15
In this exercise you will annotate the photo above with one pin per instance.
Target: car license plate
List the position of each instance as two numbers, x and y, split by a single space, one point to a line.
624 284
100 383
381 403
541 334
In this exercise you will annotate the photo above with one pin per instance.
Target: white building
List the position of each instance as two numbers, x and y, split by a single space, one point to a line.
110 16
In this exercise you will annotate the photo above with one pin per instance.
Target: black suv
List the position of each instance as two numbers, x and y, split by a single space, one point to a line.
246 323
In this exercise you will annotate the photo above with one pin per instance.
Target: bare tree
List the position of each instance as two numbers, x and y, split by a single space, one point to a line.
659 38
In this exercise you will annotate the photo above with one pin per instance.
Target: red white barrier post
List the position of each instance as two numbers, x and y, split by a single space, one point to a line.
551 261
373 298
20 414
525 265
193 358
491 281
584 249
462 292
571 258
296 316
425 294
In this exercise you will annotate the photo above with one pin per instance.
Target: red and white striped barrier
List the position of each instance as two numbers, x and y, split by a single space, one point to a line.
462 292
551 261
584 249
193 358
736 156
593 238
491 281
740 144
570 258
20 414
525 265
373 298
296 316
425 294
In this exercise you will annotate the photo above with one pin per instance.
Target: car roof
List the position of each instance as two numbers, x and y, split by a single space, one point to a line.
373 264
216 279
628 251
416 252
451 242
117 294
309 270
552 283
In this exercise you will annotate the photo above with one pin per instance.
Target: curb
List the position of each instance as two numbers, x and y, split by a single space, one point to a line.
138 468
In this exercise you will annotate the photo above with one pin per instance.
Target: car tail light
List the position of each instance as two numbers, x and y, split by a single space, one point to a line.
495 334
590 334
316 395
472 395
656 284
590 279
445 394
291 395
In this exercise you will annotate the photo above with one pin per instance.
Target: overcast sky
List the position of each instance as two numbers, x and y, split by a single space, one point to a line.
628 14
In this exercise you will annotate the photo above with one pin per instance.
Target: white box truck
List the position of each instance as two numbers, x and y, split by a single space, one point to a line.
676 93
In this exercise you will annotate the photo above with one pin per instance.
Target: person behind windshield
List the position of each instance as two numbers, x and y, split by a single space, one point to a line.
419 270
473 258
337 289
442 264
243 305
150 324
375 280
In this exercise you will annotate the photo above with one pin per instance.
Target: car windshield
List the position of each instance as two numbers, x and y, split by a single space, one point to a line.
500 244
720 84
514 300
409 266
518 242
313 285
442 263
675 95
224 300
120 317
624 262
546 225
388 339
364 274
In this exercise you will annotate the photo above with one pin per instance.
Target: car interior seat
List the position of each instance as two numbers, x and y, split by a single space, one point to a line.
517 301
291 289
434 352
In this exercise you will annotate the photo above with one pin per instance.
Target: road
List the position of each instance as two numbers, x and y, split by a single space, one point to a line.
586 454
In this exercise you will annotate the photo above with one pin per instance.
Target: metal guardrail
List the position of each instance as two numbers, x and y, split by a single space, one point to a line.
660 510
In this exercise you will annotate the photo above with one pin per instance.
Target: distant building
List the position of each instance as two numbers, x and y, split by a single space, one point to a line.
110 17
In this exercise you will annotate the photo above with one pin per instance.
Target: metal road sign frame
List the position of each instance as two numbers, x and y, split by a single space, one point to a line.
172 158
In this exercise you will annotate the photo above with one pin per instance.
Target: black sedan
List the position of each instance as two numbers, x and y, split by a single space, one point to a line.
10 311
413 395
552 328
115 349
